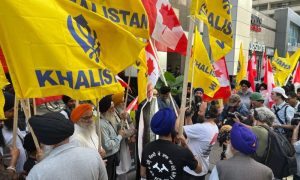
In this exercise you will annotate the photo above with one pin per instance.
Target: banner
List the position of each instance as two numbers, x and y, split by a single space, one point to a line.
63 48
204 74
241 69
284 67
216 15
142 76
131 15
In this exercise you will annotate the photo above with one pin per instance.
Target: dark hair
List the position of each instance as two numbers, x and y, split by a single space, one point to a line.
247 83
292 94
165 90
212 112
263 85
298 90
66 99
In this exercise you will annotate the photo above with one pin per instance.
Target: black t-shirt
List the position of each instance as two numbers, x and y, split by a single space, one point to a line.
164 160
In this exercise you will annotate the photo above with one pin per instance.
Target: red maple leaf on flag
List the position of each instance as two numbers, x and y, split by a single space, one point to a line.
150 66
169 17
218 73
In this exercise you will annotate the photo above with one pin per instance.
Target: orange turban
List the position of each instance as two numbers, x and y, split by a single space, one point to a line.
118 98
79 110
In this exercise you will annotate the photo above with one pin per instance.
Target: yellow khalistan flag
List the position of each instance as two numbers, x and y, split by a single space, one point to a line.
241 69
131 15
3 83
204 73
284 67
142 76
216 14
56 47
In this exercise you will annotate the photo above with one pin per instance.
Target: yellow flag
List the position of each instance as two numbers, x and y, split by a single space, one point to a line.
242 69
56 47
131 15
204 73
284 67
3 83
216 15
142 76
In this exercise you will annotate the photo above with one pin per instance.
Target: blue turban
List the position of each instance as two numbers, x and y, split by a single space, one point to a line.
243 139
198 89
163 122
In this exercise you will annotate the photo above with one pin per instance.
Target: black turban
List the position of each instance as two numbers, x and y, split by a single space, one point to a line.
66 99
105 103
165 89
51 128
9 101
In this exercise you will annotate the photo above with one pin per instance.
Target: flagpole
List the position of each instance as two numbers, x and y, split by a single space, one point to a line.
287 80
98 127
163 77
34 106
185 80
126 98
15 123
26 108
191 94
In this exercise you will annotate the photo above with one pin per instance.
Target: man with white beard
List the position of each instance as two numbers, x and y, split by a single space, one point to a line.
111 139
239 164
63 160
123 120
85 131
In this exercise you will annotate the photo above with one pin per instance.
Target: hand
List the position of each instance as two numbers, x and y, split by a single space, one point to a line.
121 132
182 141
124 115
133 139
102 152
39 154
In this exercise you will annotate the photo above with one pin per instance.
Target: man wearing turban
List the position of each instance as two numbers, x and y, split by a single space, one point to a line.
111 137
123 121
63 160
85 132
240 165
162 159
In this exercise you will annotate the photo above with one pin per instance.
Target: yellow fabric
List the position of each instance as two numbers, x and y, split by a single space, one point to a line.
284 67
216 15
3 83
49 53
131 15
142 76
204 74
241 70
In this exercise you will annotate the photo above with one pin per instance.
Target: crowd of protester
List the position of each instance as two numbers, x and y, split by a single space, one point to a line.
73 145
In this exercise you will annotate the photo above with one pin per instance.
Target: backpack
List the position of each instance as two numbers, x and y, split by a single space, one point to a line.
280 154
288 133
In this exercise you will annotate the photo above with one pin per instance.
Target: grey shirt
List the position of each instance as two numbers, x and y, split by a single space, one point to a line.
70 162
297 149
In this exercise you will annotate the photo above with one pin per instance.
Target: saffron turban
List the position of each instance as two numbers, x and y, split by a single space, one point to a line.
79 111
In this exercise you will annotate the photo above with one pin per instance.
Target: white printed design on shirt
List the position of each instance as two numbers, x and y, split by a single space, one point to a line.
160 166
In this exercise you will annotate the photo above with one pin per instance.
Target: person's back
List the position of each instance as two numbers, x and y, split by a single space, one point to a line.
165 160
70 162
243 167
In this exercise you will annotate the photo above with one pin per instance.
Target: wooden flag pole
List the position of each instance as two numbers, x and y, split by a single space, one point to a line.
163 77
34 106
98 127
191 94
15 124
26 108
185 80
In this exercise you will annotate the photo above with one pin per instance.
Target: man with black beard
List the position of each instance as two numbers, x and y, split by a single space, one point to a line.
111 138
6 135
164 99
63 160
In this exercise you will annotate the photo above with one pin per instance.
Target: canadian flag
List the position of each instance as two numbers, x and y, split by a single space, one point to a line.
165 27
254 62
296 79
268 78
250 74
152 64
122 82
222 74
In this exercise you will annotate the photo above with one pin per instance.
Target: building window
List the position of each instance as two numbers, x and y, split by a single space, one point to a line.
294 38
